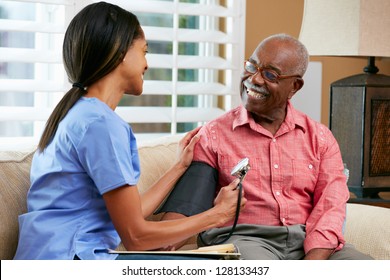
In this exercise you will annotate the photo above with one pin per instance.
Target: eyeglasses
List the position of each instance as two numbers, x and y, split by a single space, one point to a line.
267 74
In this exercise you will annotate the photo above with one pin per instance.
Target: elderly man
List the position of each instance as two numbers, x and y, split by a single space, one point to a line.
296 189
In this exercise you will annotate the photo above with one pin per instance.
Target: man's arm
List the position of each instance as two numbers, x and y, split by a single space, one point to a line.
325 223
193 194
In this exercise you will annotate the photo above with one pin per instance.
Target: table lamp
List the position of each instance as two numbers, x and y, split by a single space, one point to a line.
360 104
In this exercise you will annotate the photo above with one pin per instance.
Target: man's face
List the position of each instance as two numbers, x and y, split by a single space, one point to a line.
266 99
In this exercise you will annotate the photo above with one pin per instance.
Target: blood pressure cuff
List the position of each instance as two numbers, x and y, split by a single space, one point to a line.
194 192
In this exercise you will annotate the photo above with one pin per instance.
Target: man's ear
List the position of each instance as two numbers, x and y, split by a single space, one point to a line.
297 85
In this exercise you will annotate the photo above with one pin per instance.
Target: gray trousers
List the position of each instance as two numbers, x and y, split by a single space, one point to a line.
256 242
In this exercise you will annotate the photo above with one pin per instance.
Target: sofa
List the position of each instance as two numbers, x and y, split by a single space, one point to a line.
367 227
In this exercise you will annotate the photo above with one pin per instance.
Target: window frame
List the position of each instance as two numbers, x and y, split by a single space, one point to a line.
216 95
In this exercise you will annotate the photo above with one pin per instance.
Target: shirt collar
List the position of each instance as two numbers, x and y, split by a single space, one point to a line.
241 117
294 119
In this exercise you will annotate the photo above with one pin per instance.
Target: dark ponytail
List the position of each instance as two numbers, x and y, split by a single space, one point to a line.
59 112
95 42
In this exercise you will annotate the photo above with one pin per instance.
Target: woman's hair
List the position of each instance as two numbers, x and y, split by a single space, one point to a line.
95 43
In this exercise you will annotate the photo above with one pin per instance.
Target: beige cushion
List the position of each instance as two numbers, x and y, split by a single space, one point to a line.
368 229
156 157
14 183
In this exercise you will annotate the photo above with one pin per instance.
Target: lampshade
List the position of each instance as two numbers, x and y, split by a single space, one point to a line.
346 27
359 104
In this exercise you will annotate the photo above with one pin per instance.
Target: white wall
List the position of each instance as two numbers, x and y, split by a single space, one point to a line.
308 99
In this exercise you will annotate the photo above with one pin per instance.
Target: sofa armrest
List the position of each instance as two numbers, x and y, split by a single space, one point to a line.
368 229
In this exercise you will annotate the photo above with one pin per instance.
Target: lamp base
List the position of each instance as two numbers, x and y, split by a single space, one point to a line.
360 121
371 68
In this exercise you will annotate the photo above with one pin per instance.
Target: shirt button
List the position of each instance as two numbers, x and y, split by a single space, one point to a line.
277 193
276 166
310 166
283 220
273 140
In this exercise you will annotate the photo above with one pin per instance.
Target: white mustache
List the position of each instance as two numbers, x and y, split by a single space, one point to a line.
255 88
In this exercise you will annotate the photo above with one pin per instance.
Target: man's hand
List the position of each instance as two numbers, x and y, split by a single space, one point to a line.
318 254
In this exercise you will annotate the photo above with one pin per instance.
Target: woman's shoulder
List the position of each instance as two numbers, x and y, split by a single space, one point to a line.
90 116
90 110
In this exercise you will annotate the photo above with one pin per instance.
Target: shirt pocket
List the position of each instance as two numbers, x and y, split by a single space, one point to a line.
305 174
227 163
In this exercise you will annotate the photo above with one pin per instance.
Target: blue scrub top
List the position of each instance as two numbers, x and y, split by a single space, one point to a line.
93 152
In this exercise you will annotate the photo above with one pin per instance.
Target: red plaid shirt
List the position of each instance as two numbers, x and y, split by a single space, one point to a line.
296 176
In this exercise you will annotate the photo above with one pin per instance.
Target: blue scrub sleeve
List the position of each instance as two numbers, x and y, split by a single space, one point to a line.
109 155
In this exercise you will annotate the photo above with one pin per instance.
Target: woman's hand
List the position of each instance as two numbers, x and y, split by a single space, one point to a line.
226 201
186 147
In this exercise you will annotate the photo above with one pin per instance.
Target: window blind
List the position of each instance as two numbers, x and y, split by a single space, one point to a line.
196 49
